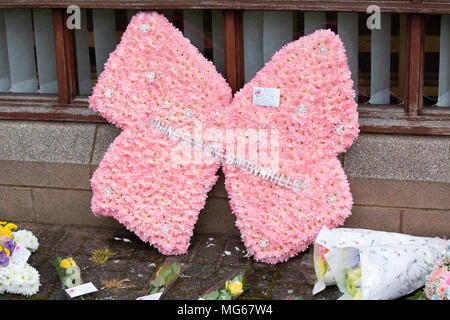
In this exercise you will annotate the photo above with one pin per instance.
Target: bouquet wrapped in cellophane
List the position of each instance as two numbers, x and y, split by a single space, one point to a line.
69 272
163 279
367 264
16 275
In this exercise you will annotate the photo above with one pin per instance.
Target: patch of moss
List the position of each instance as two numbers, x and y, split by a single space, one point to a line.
101 256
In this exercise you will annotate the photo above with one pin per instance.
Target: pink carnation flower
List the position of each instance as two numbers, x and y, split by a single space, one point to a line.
437 274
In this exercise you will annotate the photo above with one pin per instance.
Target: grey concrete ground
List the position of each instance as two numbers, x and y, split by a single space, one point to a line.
137 261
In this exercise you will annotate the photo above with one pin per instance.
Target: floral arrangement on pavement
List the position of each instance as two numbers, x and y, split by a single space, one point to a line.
226 290
157 73
69 272
377 265
16 275
163 279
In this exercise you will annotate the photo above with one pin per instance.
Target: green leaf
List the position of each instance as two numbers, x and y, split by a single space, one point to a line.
224 295
153 290
164 271
150 288
176 267
170 278
417 296
158 281
213 295
299 298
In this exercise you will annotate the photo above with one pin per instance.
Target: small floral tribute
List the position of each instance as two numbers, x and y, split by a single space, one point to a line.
69 272
70 275
437 286
377 265
226 290
16 275
163 279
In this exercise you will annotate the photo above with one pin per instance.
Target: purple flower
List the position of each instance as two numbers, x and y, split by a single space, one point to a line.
355 262
9 245
4 260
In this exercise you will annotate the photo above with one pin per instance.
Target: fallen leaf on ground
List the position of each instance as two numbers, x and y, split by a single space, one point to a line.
116 284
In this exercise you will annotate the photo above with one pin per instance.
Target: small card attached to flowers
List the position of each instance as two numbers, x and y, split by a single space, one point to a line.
268 97
20 255
80 290
228 289
70 276
163 279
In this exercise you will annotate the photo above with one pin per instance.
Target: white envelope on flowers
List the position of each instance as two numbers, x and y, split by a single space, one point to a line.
340 238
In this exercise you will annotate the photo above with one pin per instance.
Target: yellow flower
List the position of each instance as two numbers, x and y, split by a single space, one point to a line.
67 262
321 267
2 223
6 233
357 294
8 253
10 226
234 287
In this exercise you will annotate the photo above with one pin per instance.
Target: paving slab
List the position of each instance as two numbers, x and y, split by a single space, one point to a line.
135 262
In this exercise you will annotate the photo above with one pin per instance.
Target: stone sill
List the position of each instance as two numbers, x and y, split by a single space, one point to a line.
399 182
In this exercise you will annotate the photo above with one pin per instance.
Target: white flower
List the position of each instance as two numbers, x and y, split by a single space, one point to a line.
189 113
264 243
144 27
323 49
165 229
26 239
332 198
20 280
150 76
339 129
109 93
301 108
108 191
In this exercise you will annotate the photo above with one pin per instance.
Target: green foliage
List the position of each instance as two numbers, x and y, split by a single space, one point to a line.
165 277
213 295
419 295
224 295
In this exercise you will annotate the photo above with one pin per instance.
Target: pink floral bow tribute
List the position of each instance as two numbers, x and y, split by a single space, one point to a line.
180 124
